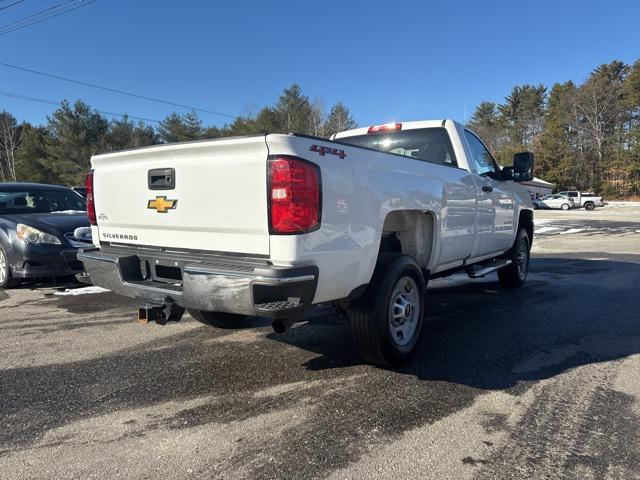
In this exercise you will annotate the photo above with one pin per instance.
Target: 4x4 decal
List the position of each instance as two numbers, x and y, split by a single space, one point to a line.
322 150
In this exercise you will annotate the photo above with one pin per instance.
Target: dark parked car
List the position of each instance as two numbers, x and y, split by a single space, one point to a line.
37 225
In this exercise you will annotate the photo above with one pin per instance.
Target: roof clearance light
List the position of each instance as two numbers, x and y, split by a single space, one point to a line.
387 127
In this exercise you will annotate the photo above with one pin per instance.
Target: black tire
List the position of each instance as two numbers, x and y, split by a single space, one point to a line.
6 279
589 206
516 274
565 206
535 206
379 324
219 319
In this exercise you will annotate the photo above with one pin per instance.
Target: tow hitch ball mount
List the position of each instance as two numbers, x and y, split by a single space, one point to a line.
170 311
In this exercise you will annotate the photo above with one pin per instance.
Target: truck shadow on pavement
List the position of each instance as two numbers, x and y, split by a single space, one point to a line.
479 338
571 312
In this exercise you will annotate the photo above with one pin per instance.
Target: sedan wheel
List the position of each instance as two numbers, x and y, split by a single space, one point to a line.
565 206
3 268
6 280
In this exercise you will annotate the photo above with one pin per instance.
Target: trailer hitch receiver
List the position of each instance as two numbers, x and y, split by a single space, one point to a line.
170 311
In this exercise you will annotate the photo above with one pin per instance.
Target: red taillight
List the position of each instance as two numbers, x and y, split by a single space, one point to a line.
387 127
294 195
91 206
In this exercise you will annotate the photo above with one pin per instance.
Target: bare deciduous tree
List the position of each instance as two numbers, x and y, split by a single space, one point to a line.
317 118
9 142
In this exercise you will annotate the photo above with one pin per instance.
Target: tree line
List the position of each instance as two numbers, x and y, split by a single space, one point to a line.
584 136
59 152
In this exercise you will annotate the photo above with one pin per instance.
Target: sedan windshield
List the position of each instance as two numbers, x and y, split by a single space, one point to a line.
40 200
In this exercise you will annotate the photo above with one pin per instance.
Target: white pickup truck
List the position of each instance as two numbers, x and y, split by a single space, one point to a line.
588 201
270 225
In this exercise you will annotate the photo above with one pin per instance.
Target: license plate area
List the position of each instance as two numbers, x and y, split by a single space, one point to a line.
135 268
163 271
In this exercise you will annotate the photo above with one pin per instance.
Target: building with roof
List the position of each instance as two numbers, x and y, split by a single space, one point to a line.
538 187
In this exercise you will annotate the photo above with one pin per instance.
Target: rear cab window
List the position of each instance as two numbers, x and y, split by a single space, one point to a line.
427 144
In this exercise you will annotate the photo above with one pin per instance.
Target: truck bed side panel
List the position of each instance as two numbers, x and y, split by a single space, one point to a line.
359 191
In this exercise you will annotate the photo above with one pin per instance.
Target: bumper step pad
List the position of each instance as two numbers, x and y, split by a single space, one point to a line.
280 308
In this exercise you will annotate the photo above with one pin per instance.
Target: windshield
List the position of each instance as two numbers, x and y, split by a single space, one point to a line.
40 200
428 144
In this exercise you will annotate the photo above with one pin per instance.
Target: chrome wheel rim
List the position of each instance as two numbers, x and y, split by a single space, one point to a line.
3 267
404 311
522 258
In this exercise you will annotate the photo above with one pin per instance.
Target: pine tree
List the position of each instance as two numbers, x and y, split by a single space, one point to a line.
180 128
75 135
339 120
294 111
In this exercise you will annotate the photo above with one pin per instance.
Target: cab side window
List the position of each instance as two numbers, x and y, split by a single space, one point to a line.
485 163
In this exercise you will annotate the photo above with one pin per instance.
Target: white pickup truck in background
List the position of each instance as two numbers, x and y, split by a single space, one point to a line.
588 201
270 225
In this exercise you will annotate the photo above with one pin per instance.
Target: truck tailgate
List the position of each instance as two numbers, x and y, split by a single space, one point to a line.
218 202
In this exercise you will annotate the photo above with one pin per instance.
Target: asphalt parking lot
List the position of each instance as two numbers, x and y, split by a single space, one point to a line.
539 382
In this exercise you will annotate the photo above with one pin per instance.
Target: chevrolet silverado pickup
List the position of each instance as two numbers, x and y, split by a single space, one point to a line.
271 225
580 199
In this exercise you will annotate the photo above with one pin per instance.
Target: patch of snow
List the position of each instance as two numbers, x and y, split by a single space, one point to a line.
547 229
573 230
81 291
543 221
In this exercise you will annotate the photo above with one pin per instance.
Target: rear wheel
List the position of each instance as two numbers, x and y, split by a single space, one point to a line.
387 322
589 206
6 280
516 273
218 319
565 206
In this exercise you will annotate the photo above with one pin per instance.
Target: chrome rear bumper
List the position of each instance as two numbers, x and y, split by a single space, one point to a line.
216 284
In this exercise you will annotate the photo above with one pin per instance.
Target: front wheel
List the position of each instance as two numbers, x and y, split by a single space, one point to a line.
516 273
6 279
218 319
387 321
565 206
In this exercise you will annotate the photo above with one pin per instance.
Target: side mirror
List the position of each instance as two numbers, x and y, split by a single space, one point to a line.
523 167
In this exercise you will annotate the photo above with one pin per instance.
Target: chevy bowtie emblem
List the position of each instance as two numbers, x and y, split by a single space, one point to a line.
162 205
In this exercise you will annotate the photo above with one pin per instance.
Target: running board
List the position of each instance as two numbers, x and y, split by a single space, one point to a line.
482 269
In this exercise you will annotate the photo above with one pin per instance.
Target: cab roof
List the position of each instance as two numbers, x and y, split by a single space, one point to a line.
404 126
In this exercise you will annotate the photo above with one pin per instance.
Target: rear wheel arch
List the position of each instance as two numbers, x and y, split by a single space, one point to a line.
411 233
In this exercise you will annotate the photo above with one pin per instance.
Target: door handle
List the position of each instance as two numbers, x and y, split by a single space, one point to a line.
487 188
